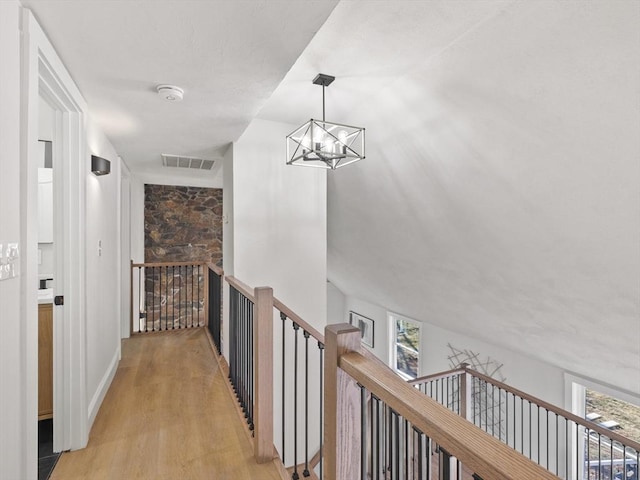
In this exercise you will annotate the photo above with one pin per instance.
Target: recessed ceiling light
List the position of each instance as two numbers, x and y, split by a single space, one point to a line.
170 93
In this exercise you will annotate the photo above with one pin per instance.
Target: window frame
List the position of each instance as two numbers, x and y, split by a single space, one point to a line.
393 318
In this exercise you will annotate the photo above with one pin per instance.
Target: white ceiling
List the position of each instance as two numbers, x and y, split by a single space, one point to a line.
228 56
500 196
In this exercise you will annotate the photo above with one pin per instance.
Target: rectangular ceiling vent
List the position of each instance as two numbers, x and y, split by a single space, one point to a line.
180 161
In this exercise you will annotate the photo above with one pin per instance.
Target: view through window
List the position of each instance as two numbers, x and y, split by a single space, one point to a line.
618 416
406 346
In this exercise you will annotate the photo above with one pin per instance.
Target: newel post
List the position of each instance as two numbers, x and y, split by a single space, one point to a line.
466 389
263 371
341 406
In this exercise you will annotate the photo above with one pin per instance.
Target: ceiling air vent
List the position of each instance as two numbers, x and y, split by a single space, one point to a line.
180 161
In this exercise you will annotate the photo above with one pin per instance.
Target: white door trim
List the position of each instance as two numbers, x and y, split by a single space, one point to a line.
44 74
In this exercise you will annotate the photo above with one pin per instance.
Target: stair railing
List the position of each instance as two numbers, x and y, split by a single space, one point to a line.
168 296
560 441
377 426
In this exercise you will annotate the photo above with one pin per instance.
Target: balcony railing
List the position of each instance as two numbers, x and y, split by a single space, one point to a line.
561 442
172 295
320 406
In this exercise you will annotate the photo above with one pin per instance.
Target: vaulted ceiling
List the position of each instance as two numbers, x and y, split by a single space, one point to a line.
501 192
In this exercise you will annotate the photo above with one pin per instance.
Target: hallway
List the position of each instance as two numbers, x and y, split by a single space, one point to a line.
167 415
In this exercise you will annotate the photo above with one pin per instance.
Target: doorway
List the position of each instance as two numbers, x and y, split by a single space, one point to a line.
48 85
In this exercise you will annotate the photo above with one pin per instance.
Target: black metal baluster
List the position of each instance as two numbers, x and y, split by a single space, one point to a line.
611 457
363 433
515 440
173 293
198 280
538 425
521 425
417 458
241 350
306 472
530 432
372 443
321 349
284 319
599 456
250 359
146 296
396 452
567 460
486 406
192 296
295 475
166 296
493 410
406 448
577 456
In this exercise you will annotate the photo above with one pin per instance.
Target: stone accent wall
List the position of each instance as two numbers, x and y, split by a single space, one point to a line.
182 224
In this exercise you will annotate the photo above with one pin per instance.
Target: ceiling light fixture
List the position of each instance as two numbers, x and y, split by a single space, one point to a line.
322 144
170 93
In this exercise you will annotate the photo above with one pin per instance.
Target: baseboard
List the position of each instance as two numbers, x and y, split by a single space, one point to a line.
103 387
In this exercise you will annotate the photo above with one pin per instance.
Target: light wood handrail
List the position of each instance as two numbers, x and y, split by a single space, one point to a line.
297 319
169 264
243 288
216 269
436 376
482 453
552 408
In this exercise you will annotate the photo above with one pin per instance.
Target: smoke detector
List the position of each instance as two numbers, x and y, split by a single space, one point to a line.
170 93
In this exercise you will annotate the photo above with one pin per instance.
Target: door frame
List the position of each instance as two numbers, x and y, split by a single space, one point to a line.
124 250
44 75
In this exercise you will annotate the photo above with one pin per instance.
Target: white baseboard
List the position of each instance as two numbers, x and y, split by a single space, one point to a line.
103 387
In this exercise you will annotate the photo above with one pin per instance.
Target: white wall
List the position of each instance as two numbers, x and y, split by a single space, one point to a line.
335 304
279 240
379 316
103 310
279 222
537 378
18 310
16 433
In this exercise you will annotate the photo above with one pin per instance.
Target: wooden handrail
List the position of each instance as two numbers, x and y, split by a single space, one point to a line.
552 408
297 319
168 264
436 376
243 288
216 269
481 452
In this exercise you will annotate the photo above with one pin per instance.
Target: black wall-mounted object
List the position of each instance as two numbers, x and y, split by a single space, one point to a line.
100 166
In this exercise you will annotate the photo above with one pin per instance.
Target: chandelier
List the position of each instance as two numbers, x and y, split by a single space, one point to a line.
322 144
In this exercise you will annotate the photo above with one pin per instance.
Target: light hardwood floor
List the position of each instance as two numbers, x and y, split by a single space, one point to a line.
168 415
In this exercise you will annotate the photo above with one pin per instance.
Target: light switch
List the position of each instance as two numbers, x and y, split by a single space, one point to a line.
99 248
9 260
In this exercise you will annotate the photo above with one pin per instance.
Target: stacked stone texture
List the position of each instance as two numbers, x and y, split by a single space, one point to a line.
182 224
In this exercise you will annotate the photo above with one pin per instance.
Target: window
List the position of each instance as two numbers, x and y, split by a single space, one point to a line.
405 346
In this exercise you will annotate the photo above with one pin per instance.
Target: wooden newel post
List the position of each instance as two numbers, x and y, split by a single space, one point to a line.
341 406
263 371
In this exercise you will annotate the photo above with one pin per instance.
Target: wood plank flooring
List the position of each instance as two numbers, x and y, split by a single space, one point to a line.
167 415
